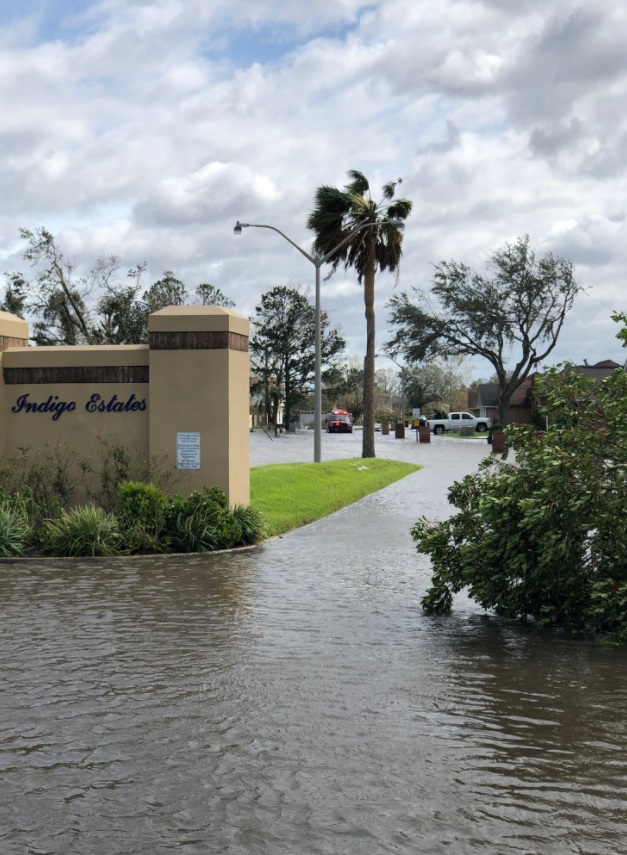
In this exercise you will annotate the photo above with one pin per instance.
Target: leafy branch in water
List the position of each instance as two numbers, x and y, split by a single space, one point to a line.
544 537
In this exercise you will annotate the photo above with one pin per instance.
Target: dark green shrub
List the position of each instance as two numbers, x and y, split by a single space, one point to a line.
85 531
203 522
545 538
251 522
192 530
190 523
228 530
141 504
210 495
138 540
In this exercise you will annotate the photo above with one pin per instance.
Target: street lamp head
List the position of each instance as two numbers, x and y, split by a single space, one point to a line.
238 227
399 224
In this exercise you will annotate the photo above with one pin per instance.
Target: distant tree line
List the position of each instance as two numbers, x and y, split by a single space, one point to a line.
59 299
282 350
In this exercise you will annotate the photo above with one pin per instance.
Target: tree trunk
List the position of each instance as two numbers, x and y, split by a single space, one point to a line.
367 449
503 409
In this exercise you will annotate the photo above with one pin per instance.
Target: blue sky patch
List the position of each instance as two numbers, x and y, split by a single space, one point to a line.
268 43
56 19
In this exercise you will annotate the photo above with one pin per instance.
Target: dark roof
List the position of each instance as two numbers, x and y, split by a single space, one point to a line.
599 371
521 396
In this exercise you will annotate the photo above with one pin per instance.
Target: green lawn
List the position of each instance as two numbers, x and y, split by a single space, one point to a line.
293 494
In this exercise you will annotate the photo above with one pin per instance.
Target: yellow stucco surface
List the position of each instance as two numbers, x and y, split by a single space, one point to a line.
190 391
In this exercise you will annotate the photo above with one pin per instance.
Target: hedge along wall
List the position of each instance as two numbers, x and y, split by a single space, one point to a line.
182 397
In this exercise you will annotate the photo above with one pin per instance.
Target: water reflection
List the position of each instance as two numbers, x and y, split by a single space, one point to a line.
295 699
535 722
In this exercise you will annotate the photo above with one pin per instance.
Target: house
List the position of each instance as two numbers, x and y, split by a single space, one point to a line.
598 371
525 400
482 401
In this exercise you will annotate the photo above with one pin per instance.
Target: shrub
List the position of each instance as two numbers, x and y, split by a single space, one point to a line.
192 530
211 495
14 530
228 530
138 540
114 463
203 522
88 531
385 414
190 523
141 504
546 538
251 523
43 476
54 478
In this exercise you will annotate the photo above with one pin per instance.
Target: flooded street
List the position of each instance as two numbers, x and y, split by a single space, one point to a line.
294 699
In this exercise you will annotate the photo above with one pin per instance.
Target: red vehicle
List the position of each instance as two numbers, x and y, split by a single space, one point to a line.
340 421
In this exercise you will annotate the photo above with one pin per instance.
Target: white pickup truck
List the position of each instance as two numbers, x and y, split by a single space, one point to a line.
454 421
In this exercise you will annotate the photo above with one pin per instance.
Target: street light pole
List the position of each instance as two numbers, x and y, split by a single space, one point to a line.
317 261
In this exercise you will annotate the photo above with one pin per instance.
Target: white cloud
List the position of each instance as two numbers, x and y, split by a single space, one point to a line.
151 127
211 194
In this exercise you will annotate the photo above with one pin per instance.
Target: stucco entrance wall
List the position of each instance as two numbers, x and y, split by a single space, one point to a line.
183 397
199 382
75 395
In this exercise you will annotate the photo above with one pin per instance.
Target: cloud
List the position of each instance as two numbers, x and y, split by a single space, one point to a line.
145 129
215 192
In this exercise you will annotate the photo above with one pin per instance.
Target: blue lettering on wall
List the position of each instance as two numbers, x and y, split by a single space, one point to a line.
96 404
52 405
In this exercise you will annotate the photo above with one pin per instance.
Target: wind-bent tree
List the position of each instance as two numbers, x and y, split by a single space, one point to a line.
57 297
512 319
282 347
95 308
376 247
210 295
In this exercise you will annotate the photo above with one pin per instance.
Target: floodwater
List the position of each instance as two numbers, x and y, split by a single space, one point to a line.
294 699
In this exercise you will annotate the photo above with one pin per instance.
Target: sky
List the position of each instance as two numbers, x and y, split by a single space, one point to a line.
145 128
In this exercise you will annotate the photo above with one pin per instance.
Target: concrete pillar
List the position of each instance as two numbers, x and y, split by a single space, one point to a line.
13 333
199 396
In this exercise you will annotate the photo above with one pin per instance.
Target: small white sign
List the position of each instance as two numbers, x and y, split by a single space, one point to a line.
188 451
415 413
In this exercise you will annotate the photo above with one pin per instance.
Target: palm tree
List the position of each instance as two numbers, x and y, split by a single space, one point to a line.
376 246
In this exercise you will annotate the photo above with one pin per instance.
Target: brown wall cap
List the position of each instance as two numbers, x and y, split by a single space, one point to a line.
198 319
113 354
